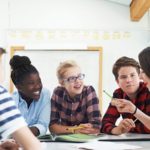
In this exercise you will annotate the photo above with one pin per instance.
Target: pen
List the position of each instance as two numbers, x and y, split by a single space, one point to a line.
107 94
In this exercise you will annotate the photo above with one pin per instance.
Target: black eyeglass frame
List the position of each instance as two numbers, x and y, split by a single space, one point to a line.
73 79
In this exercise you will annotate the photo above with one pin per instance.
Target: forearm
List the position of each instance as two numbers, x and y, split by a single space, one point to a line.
145 119
59 129
28 141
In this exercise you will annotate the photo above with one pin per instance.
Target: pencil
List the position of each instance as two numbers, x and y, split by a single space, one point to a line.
113 101
75 128
107 94
135 120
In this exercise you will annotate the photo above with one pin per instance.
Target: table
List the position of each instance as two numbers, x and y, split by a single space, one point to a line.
135 140
71 146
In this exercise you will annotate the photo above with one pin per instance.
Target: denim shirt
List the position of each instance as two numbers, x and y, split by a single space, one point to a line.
38 113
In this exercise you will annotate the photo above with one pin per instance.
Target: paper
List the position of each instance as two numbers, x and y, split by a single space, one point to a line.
97 145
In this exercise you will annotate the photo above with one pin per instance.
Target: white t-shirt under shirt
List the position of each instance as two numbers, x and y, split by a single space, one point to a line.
10 117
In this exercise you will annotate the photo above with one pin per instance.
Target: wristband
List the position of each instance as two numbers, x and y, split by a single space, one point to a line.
134 111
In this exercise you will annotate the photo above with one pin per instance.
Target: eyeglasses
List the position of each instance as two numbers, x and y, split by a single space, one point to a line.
72 79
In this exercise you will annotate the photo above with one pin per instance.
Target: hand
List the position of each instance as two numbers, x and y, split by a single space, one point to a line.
126 125
9 145
123 105
114 101
88 129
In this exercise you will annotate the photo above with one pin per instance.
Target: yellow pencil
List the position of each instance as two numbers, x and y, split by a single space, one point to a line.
107 94
75 128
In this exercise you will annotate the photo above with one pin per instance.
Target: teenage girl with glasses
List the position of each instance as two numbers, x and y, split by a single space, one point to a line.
74 106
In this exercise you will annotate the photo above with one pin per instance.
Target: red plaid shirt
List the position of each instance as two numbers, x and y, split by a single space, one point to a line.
84 108
142 101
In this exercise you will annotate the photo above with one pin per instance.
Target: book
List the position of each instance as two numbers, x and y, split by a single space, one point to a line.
77 138
81 138
46 138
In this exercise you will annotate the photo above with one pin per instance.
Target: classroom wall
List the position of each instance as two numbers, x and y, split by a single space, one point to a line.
37 24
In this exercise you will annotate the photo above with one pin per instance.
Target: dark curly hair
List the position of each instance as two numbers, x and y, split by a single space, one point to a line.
21 67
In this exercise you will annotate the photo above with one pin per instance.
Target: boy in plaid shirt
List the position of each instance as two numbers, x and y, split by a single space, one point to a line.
126 71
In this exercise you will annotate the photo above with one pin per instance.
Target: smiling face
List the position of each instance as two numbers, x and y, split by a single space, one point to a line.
128 80
73 81
31 86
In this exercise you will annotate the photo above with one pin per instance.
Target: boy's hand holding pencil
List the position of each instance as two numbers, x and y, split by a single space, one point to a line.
122 105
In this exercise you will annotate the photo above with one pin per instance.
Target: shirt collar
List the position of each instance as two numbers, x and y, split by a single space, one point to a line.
67 97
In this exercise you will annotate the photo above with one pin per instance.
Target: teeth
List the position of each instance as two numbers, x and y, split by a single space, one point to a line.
37 92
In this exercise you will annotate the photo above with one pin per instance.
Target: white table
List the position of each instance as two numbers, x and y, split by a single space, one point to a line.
144 143
71 146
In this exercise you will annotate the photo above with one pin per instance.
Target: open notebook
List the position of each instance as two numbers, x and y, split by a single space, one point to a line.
79 138
46 138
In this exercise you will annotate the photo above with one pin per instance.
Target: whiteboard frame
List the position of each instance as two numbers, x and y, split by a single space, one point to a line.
13 50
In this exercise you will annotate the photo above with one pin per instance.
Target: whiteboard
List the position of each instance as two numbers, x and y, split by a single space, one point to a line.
47 61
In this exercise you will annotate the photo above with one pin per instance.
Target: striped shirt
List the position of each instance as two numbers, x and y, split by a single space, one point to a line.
142 101
83 108
10 117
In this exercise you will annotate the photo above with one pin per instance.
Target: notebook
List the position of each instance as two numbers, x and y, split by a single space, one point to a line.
79 138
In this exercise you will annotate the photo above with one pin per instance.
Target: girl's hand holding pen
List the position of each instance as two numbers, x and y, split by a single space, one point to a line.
89 129
79 128
75 128
86 128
